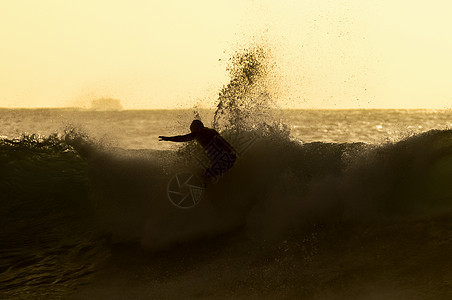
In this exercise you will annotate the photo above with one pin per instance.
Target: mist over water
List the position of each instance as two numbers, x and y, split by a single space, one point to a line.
140 129
320 204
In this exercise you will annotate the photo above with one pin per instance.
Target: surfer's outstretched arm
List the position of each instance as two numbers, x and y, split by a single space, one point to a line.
178 138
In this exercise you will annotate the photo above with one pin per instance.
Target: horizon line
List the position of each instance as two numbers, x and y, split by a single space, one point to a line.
204 108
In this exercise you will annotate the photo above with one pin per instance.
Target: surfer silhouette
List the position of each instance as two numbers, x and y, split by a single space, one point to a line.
221 154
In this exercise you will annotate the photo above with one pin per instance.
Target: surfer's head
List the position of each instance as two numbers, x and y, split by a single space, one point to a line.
196 125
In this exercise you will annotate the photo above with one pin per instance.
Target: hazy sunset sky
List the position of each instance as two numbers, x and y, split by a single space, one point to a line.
173 54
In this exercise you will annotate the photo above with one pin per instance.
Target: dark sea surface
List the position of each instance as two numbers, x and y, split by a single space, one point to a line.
321 204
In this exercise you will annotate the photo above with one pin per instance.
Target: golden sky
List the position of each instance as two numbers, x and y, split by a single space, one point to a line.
173 54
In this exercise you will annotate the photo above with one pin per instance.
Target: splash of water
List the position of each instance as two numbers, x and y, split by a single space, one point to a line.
247 102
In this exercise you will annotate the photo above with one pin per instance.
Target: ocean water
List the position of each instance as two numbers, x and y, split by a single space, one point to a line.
139 129
321 204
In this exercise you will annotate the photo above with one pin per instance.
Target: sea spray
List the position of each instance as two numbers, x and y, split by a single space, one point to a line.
289 217
248 101
68 198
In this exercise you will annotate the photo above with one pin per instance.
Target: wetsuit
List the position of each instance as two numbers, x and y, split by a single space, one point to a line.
219 151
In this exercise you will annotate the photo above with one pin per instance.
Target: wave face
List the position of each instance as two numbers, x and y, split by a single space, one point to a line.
66 202
46 213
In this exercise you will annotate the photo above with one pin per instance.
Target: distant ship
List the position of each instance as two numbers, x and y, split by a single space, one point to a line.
104 104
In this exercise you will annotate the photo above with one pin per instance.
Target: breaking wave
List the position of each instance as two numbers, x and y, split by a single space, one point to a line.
68 202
